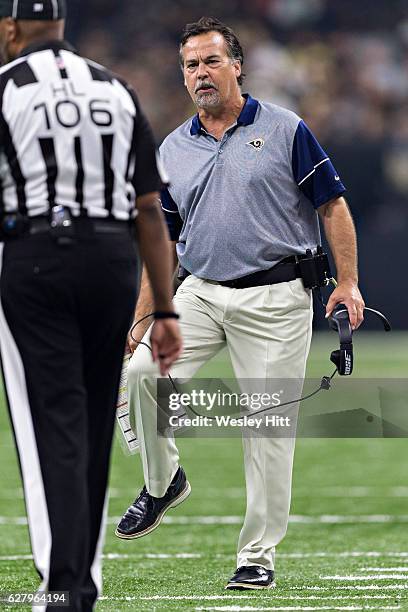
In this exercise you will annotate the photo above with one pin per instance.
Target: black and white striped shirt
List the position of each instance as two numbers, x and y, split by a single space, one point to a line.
73 134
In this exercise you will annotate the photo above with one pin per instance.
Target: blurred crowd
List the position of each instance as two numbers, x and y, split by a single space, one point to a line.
343 66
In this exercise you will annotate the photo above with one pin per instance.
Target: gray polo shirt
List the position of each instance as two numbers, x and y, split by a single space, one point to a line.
242 204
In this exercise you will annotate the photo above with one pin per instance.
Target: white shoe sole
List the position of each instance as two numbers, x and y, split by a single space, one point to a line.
175 502
238 586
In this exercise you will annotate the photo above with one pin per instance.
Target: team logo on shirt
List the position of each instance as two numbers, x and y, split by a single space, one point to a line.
257 143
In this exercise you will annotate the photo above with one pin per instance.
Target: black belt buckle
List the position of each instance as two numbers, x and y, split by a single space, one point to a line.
61 225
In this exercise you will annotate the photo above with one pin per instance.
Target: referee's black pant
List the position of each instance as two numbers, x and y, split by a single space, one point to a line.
65 312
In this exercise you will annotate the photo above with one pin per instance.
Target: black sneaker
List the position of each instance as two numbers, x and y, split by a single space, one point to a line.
252 577
146 512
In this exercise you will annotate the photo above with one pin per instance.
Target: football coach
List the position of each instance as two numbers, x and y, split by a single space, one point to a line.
248 182
78 165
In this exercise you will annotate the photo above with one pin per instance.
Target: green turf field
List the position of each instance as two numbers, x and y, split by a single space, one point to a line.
347 544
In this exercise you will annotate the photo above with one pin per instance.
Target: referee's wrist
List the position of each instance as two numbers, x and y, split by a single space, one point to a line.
165 314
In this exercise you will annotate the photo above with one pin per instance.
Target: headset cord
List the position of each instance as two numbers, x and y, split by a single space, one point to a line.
139 342
325 383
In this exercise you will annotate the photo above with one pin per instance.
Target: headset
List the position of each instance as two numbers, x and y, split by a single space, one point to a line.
339 321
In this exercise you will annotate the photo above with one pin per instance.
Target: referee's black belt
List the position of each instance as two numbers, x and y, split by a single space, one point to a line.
286 270
41 224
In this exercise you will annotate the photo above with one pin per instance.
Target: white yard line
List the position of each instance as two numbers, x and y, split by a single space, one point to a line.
331 519
13 520
357 492
338 519
16 557
383 569
248 608
118 556
294 555
114 556
353 587
351 553
370 577
249 597
239 492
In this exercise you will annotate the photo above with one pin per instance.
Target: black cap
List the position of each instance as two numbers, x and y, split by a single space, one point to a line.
50 10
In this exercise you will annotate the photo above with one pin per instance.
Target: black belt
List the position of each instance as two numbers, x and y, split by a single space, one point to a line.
286 270
40 225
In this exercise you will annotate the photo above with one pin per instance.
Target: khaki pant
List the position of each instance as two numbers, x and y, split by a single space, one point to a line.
268 332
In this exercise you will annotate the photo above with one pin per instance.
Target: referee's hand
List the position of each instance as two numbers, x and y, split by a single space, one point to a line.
166 343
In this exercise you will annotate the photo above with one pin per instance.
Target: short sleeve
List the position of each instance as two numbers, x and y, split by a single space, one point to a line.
314 173
171 213
147 175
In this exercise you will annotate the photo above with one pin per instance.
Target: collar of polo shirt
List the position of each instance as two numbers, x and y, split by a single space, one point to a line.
246 117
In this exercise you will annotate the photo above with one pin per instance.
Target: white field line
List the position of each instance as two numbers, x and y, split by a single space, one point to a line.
352 553
295 555
238 493
250 597
357 492
248 608
330 519
338 519
118 556
335 492
114 556
16 557
370 577
345 554
383 569
353 587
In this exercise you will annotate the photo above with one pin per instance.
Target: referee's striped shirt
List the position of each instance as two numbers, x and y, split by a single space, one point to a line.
72 134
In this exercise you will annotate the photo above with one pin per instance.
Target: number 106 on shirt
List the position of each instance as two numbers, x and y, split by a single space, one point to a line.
69 114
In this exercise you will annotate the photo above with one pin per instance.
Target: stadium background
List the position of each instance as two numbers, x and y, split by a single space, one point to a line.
343 66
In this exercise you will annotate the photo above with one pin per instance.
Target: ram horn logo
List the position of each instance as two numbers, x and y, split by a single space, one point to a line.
257 143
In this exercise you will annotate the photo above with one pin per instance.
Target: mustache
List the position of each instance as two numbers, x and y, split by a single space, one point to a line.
204 85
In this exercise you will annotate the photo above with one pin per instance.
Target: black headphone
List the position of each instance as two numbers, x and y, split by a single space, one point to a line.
339 321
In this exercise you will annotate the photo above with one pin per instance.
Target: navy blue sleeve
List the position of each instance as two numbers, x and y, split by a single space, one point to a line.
173 219
313 171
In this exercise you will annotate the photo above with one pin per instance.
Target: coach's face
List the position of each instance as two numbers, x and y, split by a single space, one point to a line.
210 75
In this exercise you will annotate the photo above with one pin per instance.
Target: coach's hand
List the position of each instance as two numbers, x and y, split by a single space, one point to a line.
348 293
166 343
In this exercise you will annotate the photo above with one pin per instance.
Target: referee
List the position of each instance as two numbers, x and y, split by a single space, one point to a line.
76 153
